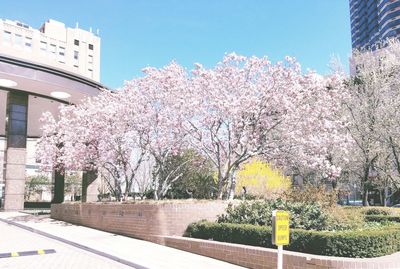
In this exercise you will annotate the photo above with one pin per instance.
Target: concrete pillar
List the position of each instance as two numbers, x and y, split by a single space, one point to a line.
17 106
90 186
15 179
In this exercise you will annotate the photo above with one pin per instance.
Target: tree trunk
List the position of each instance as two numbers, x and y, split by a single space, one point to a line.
156 186
385 196
364 185
365 197
156 195
125 197
232 188
59 178
220 192
334 184
220 195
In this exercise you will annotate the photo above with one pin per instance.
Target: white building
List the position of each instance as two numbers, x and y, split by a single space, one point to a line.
39 71
71 49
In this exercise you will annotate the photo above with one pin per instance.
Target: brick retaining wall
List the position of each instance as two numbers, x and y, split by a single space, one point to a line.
165 222
140 220
265 258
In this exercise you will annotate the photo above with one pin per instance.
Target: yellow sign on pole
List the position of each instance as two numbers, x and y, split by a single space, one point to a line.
280 228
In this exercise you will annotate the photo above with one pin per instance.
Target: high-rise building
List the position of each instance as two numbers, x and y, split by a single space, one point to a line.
71 49
373 21
40 70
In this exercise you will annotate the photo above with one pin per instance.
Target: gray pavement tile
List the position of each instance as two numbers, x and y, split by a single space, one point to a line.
139 252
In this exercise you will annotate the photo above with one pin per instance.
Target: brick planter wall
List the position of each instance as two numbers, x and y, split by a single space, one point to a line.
142 220
165 222
265 258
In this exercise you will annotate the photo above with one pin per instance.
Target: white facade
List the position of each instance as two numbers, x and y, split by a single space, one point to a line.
40 70
71 49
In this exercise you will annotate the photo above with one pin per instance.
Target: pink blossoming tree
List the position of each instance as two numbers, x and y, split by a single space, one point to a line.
242 108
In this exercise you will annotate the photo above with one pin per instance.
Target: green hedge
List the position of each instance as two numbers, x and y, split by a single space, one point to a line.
377 211
382 218
361 244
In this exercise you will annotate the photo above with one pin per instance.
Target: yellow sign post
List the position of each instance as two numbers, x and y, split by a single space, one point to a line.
280 232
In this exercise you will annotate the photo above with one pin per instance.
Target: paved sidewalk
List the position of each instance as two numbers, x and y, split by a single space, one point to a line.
14 239
131 253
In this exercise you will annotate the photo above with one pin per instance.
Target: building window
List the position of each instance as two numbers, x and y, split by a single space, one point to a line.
76 55
61 54
53 50
90 72
76 42
90 59
28 43
91 46
17 120
43 46
61 51
18 40
7 37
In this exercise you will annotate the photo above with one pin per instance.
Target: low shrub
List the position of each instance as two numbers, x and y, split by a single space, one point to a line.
377 211
302 215
360 244
382 218
342 219
313 194
372 210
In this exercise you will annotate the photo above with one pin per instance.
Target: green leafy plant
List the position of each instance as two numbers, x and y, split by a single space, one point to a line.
302 215
34 185
377 211
382 218
360 243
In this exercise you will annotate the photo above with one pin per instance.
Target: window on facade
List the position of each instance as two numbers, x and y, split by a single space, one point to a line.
91 46
76 55
90 59
90 72
76 42
61 54
28 43
53 50
18 40
17 119
43 46
61 51
7 37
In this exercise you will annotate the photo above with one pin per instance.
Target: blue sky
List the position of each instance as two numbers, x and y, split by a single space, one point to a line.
139 33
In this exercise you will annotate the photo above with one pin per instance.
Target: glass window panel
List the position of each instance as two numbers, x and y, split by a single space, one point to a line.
43 46
17 127
61 51
17 115
18 99
18 40
53 48
16 141
28 43
18 108
7 37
